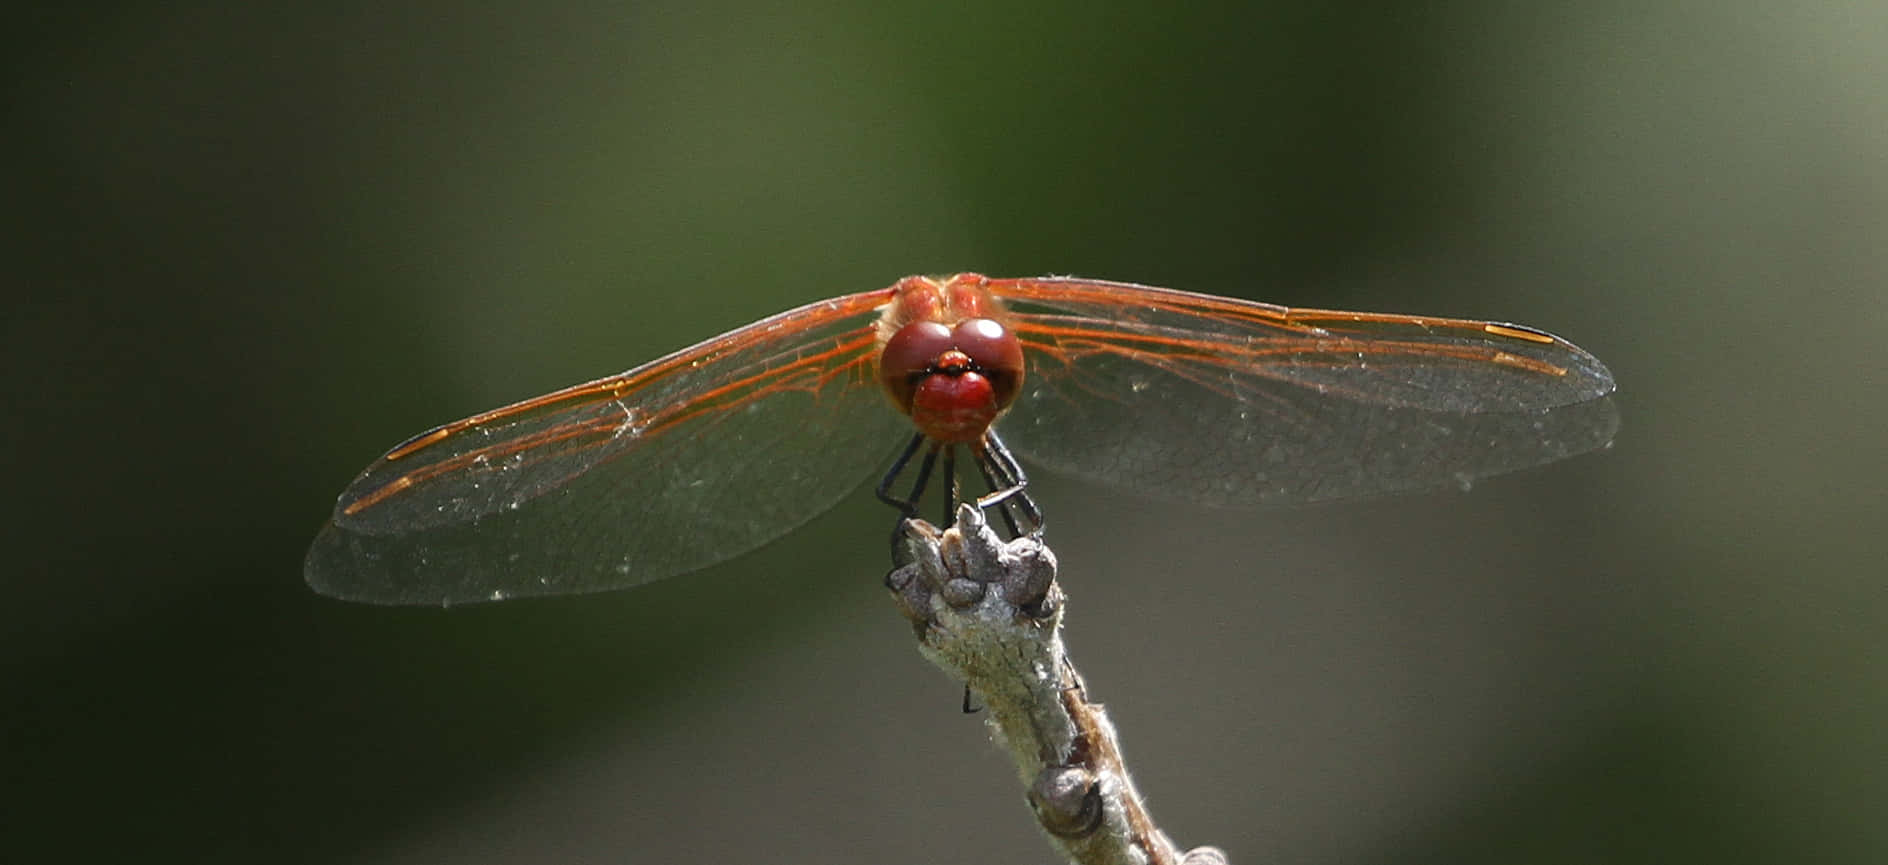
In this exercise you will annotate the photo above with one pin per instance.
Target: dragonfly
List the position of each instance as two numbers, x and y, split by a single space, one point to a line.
707 453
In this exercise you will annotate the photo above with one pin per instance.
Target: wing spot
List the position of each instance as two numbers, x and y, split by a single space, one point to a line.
420 442
1518 333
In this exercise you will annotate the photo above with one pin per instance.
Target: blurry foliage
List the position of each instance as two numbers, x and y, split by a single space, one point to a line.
253 245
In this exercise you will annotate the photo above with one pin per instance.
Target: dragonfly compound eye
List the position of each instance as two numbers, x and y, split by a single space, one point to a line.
909 356
995 352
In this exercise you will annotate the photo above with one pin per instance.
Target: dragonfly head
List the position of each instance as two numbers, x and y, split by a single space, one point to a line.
953 380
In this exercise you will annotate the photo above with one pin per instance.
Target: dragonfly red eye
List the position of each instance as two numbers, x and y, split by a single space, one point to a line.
996 352
908 358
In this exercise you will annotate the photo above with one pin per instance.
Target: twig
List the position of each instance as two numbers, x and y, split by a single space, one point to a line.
990 613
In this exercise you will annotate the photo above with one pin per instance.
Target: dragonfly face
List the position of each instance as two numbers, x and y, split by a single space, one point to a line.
947 357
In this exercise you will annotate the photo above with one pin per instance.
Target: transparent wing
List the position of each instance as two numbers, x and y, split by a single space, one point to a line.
1224 401
669 467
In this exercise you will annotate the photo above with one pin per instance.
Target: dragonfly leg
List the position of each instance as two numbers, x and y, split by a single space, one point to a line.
953 491
908 506
1009 487
1001 473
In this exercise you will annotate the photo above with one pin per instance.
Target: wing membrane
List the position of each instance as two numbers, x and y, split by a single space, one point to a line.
669 467
1233 402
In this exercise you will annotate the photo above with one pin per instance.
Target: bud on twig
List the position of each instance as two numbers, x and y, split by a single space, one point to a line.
989 612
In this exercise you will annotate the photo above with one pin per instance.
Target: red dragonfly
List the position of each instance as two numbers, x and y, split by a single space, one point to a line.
709 452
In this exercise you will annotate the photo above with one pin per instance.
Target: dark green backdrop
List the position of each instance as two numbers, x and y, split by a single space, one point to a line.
250 246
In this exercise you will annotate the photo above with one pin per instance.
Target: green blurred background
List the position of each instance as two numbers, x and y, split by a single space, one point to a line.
254 245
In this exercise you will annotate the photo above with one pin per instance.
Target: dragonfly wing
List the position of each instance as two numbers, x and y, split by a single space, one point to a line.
1230 402
667 468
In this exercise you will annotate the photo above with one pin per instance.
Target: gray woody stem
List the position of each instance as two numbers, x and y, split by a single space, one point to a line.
990 613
